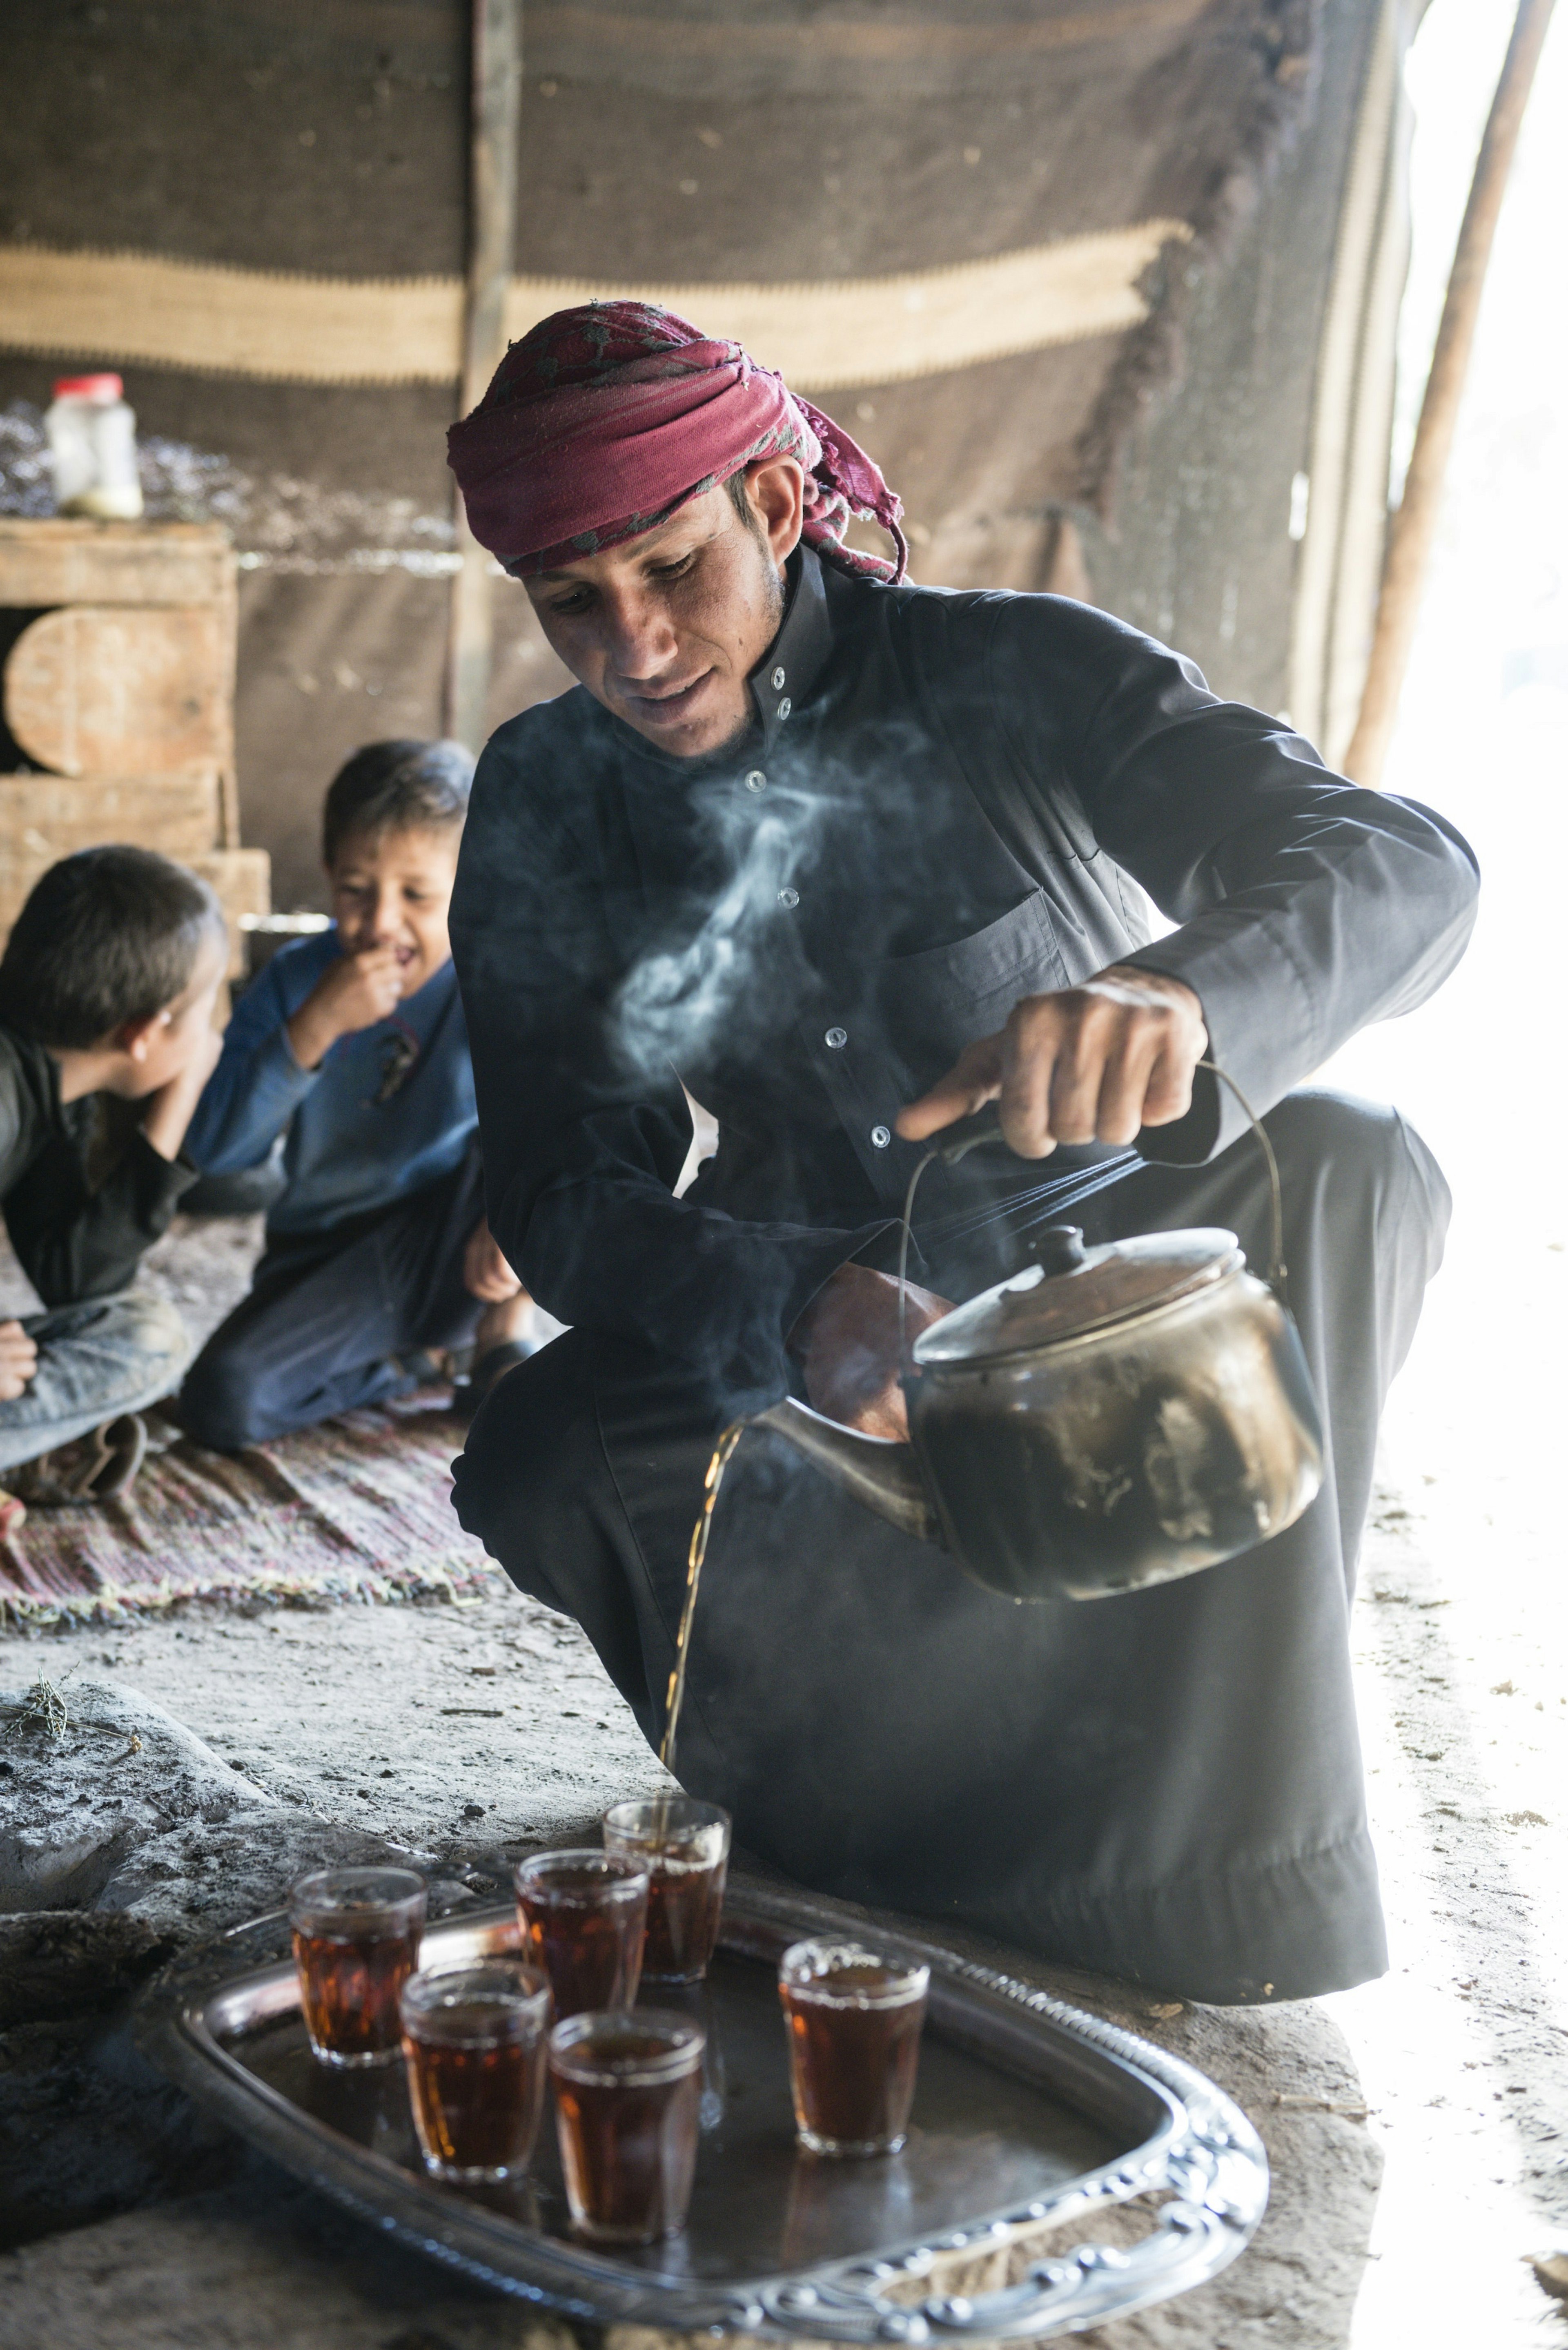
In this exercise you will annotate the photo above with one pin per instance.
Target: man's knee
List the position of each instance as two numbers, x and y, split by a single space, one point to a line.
219 1403
530 1458
1367 1158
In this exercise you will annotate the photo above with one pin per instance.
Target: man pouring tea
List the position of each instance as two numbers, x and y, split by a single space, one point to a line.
853 860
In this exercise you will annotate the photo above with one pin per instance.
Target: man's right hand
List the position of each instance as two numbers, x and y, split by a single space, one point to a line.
358 991
18 1361
848 1340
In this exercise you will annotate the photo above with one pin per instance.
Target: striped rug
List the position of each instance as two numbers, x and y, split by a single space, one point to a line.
359 1508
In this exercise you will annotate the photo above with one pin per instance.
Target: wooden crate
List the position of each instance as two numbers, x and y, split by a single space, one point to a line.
243 879
131 669
124 687
60 562
107 690
45 817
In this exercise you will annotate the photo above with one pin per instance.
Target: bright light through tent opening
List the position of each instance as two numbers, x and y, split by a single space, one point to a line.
1469 1818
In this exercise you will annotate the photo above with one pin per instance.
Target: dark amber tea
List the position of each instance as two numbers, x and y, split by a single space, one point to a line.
684 1845
685 1906
582 1916
474 2043
628 2091
355 1942
853 2019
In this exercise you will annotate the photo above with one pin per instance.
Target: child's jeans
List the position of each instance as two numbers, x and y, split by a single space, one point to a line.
96 1360
331 1315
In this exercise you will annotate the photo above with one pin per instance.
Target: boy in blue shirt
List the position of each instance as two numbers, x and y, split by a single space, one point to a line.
351 1047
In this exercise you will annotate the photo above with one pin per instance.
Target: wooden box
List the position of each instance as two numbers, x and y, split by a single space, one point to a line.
122 689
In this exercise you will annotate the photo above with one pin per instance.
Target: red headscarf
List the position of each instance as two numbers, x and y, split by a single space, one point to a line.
605 419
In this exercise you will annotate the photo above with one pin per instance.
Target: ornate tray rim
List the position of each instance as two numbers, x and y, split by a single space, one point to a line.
1203 2151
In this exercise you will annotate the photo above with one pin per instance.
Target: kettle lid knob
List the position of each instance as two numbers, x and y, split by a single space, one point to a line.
1058 1249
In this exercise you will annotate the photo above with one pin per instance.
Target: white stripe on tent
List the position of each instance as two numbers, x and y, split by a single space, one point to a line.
252 322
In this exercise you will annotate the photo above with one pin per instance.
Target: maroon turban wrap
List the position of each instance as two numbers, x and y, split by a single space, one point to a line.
605 419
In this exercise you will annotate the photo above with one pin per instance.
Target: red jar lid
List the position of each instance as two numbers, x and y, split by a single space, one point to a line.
89 387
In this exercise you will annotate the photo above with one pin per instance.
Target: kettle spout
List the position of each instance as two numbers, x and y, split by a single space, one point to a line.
877 1471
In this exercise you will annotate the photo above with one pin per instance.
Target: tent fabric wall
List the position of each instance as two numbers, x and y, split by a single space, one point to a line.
1353 407
1182 163
1283 397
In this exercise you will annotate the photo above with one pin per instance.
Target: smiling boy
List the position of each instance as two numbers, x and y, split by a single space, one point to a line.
351 1048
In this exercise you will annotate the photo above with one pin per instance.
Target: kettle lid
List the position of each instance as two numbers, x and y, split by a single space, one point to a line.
1070 1290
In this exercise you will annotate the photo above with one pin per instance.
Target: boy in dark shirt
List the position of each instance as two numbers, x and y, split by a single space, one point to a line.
350 1051
107 988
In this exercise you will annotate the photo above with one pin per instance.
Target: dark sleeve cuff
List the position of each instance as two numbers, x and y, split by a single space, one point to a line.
1261 1032
158 1184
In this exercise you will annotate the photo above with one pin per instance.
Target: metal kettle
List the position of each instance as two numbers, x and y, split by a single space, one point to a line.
1107 1419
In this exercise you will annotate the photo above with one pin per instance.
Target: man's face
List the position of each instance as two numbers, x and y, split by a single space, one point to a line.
666 628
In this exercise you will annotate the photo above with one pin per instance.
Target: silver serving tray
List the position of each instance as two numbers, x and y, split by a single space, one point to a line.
1028 2114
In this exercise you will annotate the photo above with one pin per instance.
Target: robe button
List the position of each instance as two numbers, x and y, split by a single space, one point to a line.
881 1138
756 781
785 706
788 897
836 1039
778 680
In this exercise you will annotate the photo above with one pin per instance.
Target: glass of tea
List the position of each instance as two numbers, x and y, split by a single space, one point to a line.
684 1845
627 2092
582 1916
355 1942
473 2042
853 2019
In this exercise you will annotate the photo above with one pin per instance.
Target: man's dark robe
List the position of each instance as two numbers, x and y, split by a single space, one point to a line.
947 802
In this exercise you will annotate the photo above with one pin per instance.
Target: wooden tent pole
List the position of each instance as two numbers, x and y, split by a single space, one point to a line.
1413 525
496 85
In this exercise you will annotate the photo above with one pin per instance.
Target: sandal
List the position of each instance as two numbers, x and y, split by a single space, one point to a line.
99 1467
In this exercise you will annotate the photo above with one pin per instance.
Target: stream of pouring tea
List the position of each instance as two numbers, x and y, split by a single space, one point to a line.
694 1557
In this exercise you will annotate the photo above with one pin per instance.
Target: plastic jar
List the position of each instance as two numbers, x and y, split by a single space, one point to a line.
92 440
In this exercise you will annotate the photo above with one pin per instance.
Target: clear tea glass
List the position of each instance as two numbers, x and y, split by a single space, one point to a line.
684 1845
356 1935
582 1916
853 2018
627 2094
474 2043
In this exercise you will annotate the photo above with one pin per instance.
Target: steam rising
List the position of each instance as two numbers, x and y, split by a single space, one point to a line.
675 1002
685 996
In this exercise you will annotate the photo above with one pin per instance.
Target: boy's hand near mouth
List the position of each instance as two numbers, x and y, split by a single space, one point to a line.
391 891
359 990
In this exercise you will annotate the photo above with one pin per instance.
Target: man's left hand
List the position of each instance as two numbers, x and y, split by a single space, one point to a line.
485 1272
1089 1064
847 1341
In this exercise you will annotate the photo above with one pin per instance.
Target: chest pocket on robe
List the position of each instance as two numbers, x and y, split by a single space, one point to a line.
885 1032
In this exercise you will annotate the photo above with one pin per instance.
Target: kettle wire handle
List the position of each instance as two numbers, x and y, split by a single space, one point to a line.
920 1167
1277 1269
985 1126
